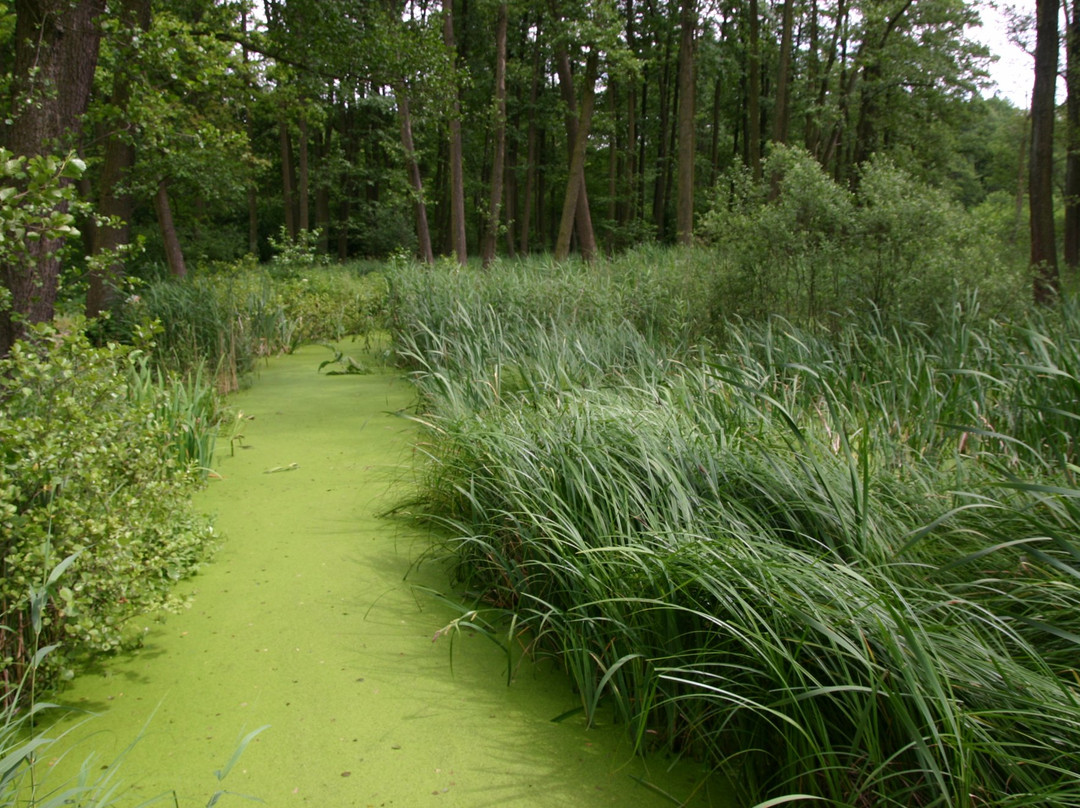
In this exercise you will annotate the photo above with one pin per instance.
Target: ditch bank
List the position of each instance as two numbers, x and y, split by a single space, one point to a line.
309 622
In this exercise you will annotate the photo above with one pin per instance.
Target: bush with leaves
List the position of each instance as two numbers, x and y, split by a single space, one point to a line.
88 467
801 245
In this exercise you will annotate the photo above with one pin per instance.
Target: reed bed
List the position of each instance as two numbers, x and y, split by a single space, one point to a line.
838 565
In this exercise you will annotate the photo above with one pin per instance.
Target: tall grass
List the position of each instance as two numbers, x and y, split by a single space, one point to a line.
223 322
841 565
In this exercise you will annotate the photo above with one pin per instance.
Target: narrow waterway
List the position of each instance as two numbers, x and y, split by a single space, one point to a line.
306 622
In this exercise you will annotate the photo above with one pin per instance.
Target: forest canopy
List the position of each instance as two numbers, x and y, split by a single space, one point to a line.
211 130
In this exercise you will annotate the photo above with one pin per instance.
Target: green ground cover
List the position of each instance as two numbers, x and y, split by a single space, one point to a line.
305 622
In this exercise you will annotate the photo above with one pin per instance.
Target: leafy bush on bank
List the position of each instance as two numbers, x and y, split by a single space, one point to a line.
800 245
95 463
837 563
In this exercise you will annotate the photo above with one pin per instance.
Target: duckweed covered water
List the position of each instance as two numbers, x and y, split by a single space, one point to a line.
305 621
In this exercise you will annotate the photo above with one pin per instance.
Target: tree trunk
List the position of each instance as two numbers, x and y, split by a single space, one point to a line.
582 212
576 179
322 186
304 183
753 92
457 173
113 203
423 233
783 78
174 255
287 178
56 49
663 170
1040 173
491 234
252 193
684 220
531 138
1072 139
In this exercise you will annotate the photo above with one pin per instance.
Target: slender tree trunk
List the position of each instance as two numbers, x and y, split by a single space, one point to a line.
322 184
582 213
1072 139
491 234
56 49
783 79
685 209
304 172
287 178
457 172
252 193
663 169
813 65
423 233
174 255
114 203
1040 173
577 166
753 92
530 152
616 148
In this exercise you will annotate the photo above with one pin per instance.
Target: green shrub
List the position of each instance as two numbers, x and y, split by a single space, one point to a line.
89 467
801 246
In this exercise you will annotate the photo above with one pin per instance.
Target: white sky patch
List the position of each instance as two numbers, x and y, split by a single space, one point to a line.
1014 71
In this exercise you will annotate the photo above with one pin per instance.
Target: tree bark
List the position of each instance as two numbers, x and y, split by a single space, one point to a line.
491 234
174 255
531 139
457 174
304 179
753 92
423 232
287 178
582 213
783 78
1040 173
684 219
113 202
663 169
1072 139
56 49
576 179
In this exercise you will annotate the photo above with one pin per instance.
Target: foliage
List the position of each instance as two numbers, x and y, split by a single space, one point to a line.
225 320
35 194
294 254
894 244
96 468
840 565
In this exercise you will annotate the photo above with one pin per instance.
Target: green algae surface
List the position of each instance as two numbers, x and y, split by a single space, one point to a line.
309 622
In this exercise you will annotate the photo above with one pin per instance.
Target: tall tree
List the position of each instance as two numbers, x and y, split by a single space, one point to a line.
1072 137
576 178
423 232
581 215
499 161
1041 162
56 52
753 90
115 201
685 195
457 168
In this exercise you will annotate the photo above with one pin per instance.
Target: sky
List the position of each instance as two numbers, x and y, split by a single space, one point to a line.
1013 73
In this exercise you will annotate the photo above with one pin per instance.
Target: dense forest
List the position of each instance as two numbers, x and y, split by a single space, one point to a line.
210 130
